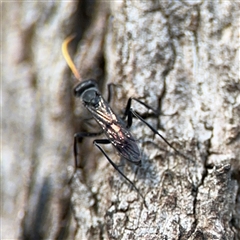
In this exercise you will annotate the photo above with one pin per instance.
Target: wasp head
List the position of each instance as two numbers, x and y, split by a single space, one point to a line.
88 92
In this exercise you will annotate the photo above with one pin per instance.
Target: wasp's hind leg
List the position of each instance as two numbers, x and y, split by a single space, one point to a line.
98 143
129 113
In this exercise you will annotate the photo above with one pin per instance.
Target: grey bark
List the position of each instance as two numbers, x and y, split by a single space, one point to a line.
37 113
181 58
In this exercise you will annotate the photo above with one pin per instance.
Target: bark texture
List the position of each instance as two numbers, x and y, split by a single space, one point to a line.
37 113
181 58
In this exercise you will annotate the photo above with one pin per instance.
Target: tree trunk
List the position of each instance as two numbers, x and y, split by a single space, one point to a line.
180 58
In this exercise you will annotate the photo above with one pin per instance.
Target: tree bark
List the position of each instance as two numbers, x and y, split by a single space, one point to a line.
180 58
37 117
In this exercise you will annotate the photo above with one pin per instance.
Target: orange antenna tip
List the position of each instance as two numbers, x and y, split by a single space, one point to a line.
67 56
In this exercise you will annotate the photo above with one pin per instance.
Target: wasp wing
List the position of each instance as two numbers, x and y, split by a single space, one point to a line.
115 130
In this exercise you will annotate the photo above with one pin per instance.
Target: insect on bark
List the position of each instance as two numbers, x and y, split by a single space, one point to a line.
115 128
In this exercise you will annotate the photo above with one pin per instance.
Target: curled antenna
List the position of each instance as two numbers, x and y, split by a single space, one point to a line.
68 58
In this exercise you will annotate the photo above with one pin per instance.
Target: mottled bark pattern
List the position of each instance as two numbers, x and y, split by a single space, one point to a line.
180 57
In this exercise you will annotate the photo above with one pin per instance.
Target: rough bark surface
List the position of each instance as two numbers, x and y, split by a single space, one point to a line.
181 58
37 113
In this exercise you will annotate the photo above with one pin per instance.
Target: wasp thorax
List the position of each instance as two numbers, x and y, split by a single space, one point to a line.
91 97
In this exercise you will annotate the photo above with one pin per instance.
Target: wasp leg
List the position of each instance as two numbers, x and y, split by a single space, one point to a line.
110 91
132 112
129 113
97 143
129 116
129 103
153 129
78 138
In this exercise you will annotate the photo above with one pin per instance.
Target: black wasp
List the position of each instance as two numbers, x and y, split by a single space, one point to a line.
114 127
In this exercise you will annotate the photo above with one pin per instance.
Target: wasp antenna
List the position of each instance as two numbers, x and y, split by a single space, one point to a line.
67 56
